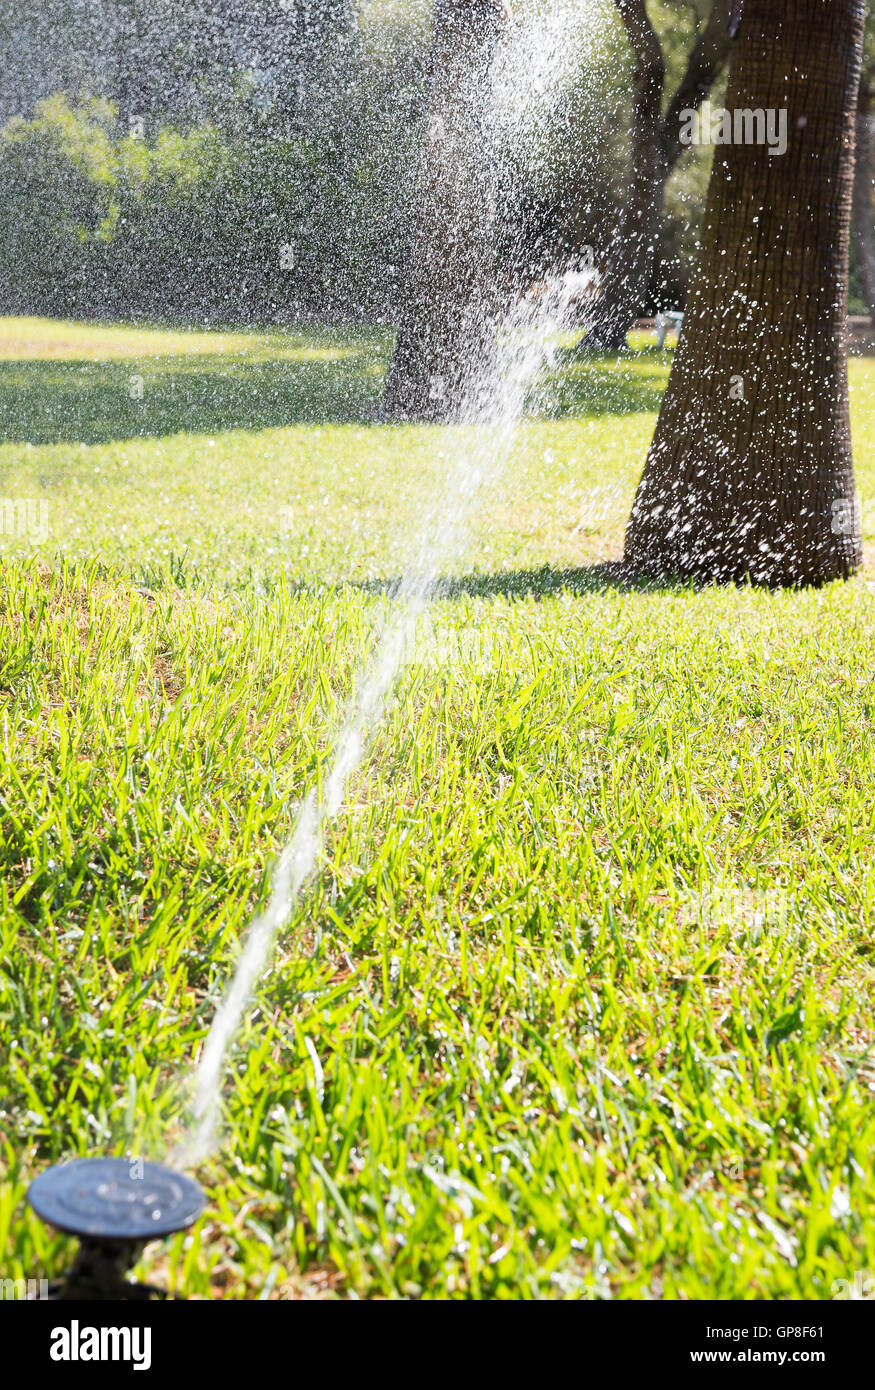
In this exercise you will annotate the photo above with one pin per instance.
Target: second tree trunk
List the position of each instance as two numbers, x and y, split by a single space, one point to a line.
446 334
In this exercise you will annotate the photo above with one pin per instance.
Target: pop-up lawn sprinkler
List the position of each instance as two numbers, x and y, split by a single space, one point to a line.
114 1206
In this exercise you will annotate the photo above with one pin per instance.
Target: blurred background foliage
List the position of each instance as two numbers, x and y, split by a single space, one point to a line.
257 160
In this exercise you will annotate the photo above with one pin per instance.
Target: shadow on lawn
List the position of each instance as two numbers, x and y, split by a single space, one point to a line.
602 384
97 402
46 402
538 584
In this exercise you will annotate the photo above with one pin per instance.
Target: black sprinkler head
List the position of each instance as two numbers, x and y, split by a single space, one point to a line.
114 1206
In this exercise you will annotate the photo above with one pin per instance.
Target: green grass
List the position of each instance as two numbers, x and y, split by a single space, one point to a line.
588 962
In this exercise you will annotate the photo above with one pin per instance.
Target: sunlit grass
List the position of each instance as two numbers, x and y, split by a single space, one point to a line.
588 963
23 339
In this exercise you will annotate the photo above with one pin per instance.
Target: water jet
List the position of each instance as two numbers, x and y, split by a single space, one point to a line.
114 1206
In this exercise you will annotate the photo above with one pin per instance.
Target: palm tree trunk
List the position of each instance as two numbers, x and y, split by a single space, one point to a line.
864 233
631 255
750 474
446 332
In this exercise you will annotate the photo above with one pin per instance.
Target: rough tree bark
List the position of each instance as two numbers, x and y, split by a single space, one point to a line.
446 333
655 149
864 233
750 474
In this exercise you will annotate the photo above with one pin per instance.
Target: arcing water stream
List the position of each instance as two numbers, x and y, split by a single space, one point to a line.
477 451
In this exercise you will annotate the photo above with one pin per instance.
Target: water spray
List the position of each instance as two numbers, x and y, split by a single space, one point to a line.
115 1206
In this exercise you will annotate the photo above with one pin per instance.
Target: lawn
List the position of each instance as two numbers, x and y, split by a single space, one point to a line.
579 1004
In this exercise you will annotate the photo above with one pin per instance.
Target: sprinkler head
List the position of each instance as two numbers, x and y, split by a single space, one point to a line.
114 1206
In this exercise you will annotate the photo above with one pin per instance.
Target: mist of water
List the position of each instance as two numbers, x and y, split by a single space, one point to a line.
476 452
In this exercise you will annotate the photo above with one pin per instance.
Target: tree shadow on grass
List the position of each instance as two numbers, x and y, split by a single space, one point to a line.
49 402
602 384
309 379
538 584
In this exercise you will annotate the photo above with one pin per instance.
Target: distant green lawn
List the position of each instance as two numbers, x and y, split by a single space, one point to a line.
588 964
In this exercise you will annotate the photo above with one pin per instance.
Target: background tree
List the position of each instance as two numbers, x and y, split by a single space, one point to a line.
750 474
446 332
317 108
655 148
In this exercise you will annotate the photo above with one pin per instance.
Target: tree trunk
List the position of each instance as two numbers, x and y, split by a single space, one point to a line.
655 150
446 335
750 473
630 259
864 233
